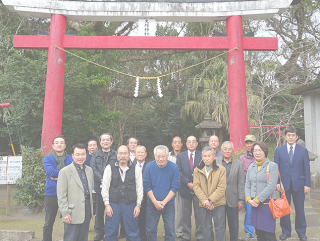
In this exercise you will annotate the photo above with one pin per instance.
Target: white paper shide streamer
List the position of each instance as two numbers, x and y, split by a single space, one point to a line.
159 87
136 90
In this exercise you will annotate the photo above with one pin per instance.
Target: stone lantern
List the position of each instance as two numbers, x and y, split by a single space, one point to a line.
208 127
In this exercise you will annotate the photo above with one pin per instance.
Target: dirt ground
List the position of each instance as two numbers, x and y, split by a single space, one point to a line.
22 219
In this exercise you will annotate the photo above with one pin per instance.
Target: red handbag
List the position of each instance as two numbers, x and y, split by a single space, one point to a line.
279 207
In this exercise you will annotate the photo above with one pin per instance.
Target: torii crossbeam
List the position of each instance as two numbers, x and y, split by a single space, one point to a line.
5 105
53 104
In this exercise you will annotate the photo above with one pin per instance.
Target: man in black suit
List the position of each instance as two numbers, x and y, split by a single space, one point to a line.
294 167
187 161
140 160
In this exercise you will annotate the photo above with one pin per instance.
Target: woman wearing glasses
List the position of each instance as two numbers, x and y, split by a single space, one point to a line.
258 192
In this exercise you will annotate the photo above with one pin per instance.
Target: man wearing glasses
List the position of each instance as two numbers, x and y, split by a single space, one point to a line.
161 181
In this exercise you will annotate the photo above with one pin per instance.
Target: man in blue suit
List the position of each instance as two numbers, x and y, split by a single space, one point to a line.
294 167
187 161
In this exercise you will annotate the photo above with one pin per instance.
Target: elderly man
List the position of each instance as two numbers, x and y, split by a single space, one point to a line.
214 144
52 165
100 159
209 184
247 158
132 143
140 161
161 181
235 187
186 162
122 193
74 191
177 144
92 147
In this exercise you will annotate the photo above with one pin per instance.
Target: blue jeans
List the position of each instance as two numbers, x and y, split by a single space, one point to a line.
153 216
124 211
247 227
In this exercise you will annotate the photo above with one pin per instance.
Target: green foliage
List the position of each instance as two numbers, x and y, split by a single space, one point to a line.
23 80
31 186
97 100
239 152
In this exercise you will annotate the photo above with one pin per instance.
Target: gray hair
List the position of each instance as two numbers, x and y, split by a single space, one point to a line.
208 148
135 149
161 147
227 142
106 134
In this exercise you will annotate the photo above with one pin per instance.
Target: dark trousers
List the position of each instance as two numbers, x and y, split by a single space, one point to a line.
218 214
300 219
94 203
142 222
124 211
153 216
187 211
78 232
51 208
99 220
233 222
265 236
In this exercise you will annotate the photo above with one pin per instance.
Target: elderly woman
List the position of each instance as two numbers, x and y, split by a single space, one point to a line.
258 192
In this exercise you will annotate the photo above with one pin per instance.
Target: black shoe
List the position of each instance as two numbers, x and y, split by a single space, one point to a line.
121 236
303 238
98 238
284 236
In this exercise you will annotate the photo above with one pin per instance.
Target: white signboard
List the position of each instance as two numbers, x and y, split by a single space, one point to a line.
10 169
147 27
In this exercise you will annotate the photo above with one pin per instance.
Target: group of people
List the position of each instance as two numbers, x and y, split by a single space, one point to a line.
129 191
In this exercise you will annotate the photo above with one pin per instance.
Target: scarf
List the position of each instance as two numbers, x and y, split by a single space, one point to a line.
260 163
208 168
60 159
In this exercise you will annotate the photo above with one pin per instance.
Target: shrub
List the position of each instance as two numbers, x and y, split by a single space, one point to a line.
239 152
31 186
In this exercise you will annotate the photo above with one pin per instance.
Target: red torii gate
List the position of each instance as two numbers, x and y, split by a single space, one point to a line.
5 105
53 103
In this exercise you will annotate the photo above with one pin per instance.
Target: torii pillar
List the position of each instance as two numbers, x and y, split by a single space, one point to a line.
53 103
53 99
238 112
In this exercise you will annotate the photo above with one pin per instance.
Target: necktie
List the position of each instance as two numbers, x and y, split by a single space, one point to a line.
291 153
191 162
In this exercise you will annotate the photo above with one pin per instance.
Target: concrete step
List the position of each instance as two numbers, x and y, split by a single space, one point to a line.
16 235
